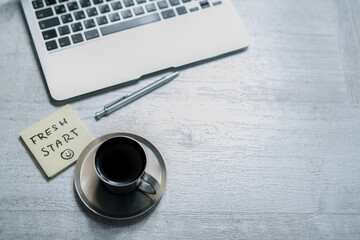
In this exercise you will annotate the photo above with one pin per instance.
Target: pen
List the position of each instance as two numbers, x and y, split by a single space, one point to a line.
121 102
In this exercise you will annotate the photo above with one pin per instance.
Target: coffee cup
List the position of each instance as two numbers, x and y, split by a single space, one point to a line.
120 164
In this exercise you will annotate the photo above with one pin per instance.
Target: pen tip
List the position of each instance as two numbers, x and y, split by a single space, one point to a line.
100 114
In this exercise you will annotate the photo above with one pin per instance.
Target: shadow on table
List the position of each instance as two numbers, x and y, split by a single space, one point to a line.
106 223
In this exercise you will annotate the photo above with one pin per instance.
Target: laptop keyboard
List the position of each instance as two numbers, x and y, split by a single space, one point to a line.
64 23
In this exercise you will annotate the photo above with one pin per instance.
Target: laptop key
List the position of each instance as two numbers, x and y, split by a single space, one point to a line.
150 7
37 4
66 18
79 15
116 5
101 20
138 10
98 1
162 4
49 34
128 3
60 9
104 8
91 34
51 22
186 1
89 23
73 6
181 10
85 3
50 2
76 27
217 3
63 42
194 9
51 45
114 17
64 30
126 13
136 22
43 13
168 13
76 38
174 2
204 4
140 1
91 12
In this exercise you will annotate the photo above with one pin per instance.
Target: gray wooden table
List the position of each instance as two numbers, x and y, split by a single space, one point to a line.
260 144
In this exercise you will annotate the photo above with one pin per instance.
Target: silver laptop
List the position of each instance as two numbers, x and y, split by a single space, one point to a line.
87 45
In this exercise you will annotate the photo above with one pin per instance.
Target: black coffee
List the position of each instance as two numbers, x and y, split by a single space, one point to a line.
120 160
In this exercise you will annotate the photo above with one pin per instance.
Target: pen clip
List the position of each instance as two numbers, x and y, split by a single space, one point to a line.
114 102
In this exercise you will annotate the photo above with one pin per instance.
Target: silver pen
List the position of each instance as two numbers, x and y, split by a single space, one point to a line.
121 102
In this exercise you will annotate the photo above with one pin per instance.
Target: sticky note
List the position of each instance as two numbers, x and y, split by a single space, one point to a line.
57 140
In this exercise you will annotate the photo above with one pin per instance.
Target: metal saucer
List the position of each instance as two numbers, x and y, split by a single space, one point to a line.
104 203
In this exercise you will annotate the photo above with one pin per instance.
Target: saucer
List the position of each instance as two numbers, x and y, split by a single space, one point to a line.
104 203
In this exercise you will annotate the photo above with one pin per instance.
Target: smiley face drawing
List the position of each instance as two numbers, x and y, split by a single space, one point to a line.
67 154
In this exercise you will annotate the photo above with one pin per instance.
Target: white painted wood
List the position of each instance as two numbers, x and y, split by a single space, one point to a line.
260 144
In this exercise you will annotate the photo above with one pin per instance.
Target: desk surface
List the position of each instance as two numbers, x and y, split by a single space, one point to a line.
259 144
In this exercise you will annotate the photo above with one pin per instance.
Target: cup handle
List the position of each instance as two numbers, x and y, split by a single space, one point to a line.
148 184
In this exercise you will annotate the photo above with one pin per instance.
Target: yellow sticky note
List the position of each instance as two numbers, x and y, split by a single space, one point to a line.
57 140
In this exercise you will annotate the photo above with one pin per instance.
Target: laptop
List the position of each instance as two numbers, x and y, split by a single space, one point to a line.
87 45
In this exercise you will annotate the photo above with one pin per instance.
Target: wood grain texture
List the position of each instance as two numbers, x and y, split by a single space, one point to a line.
349 44
260 144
